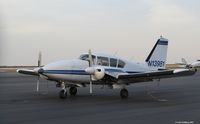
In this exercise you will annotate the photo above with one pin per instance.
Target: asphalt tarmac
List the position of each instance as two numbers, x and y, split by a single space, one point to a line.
170 101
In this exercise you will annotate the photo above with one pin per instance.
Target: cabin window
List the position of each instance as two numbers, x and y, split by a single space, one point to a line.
121 64
102 61
113 62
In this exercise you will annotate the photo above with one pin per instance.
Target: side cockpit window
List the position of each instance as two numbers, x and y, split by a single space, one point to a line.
113 62
121 64
102 61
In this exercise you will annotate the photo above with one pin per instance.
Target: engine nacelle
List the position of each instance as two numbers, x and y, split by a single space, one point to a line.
97 72
38 70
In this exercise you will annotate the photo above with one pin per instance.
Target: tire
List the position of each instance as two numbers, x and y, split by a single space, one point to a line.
73 91
63 94
124 93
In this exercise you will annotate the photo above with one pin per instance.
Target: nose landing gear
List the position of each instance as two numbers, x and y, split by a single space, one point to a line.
63 94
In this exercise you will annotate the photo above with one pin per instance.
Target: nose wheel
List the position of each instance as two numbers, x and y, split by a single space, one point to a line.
73 91
63 94
124 93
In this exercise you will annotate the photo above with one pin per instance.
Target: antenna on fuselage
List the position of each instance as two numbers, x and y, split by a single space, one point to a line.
115 54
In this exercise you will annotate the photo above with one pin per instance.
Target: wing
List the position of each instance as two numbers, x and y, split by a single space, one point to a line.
27 71
148 76
35 73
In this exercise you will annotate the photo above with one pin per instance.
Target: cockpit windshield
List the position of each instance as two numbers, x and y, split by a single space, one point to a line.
86 57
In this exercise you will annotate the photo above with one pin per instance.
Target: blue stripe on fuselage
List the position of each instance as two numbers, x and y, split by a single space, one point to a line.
82 72
73 72
131 72
114 70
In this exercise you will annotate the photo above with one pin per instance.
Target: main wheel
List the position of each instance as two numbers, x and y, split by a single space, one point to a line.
124 93
73 91
63 94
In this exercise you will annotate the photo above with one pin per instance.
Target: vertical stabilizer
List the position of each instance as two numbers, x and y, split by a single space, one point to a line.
158 55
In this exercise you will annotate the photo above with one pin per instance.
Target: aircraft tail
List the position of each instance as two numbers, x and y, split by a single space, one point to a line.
184 61
158 55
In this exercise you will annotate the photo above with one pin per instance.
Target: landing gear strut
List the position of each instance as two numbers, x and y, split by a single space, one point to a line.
73 91
124 93
63 92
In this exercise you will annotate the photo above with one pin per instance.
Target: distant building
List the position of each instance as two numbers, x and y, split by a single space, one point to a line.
175 66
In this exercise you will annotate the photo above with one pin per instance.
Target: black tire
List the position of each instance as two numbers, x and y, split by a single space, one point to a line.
63 94
124 93
73 91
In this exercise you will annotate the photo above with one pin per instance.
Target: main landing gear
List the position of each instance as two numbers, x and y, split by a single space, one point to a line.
63 92
124 93
73 91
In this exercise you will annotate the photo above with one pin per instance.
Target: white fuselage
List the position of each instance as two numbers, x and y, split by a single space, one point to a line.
196 64
73 71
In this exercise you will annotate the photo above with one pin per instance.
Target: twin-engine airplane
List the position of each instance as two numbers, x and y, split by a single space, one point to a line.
195 64
103 69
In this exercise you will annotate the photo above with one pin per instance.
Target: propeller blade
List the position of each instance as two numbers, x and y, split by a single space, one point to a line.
38 84
90 58
39 65
39 59
90 84
90 65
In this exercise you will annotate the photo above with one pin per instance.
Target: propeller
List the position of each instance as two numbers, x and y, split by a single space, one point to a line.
90 65
39 65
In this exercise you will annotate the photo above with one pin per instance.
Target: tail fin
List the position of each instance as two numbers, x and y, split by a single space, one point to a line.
184 61
158 55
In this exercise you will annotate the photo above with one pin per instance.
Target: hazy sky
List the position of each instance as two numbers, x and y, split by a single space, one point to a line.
63 29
